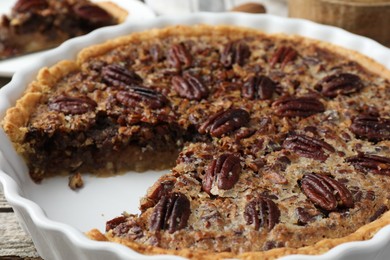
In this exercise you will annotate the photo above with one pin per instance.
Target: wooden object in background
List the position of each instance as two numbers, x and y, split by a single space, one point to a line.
370 18
254 8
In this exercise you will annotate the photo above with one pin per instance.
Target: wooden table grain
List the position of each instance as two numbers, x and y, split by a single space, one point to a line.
15 244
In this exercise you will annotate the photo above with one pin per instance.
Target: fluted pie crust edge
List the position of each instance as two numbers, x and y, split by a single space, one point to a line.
364 233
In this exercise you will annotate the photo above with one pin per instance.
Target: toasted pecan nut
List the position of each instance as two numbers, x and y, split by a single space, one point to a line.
297 106
379 212
225 171
306 215
156 52
171 213
135 95
72 105
162 189
326 192
339 84
307 146
224 122
22 6
93 13
258 87
370 163
236 52
283 55
123 225
263 213
189 87
243 133
370 127
117 76
179 56
111 224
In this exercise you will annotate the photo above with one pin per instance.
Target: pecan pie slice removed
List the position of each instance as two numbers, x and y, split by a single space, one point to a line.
265 161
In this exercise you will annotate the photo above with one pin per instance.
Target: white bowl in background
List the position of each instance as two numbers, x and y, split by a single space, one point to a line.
56 216
135 8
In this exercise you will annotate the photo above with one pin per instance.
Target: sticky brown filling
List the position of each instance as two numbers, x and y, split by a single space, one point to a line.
101 151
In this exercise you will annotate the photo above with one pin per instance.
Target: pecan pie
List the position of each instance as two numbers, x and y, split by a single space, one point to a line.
279 144
35 25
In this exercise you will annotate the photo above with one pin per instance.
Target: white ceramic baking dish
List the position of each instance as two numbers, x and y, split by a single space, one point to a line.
56 216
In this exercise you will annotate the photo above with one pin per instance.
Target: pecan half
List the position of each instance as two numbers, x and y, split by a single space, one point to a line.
370 127
155 193
113 223
305 215
162 189
297 106
263 213
370 163
93 13
243 133
258 87
339 84
189 87
275 177
268 245
179 57
22 6
156 52
135 95
326 192
225 171
283 55
225 122
236 52
170 213
72 105
119 76
379 212
125 226
308 147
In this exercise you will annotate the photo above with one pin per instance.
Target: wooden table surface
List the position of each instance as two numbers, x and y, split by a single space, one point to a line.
14 242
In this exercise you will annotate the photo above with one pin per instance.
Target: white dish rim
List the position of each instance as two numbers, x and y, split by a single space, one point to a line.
268 23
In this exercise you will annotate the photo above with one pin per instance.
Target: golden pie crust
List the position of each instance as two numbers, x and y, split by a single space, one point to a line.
364 233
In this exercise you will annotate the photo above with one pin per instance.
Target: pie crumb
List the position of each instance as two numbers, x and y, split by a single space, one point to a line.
76 181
